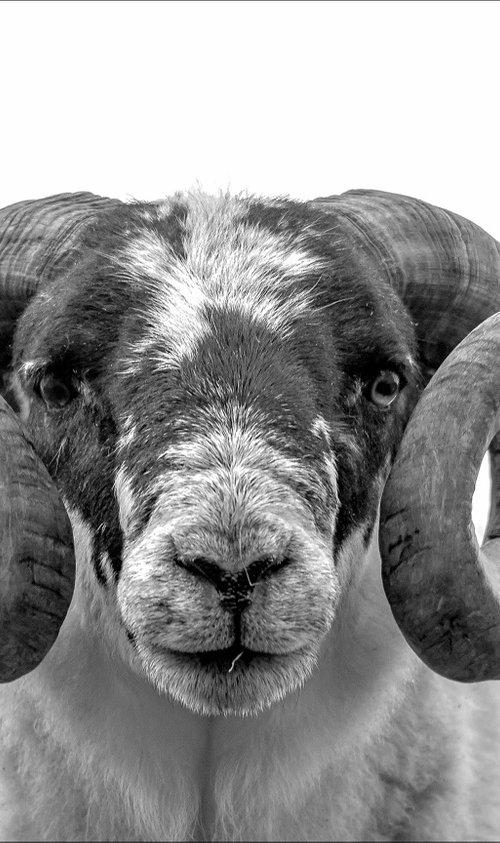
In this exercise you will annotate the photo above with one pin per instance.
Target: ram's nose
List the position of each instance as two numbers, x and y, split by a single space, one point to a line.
234 587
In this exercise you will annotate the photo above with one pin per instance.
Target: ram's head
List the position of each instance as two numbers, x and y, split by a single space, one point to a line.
218 388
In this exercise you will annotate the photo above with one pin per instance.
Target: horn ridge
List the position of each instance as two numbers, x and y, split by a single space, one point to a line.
36 553
445 268
443 589
37 240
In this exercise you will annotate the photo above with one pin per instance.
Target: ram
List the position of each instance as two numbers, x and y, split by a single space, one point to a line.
218 407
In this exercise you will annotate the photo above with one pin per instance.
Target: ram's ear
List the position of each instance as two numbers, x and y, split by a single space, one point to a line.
39 240
444 589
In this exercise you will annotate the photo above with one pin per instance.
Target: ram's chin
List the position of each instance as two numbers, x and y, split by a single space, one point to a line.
236 681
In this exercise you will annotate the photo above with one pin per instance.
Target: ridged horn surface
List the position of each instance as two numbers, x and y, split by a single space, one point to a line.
38 239
444 590
36 553
445 268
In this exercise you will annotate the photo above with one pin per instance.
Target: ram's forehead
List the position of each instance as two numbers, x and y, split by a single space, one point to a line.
213 257
218 241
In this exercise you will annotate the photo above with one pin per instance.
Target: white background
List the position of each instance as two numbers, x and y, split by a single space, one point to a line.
139 99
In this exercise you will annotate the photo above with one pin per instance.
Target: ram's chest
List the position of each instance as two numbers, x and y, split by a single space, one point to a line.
221 783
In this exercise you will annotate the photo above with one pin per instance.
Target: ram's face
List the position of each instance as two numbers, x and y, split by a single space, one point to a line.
221 423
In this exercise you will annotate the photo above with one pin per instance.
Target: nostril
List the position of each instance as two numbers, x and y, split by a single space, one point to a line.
202 568
223 579
265 567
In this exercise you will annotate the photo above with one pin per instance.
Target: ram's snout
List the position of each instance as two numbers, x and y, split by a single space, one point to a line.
207 581
200 568
234 580
235 589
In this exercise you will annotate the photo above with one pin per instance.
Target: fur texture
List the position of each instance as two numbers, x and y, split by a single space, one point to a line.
201 386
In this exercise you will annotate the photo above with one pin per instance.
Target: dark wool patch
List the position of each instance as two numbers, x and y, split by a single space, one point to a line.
131 637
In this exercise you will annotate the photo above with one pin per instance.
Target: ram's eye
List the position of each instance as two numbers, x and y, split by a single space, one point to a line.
56 391
383 389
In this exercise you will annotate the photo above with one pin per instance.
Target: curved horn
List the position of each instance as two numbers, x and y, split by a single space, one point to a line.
38 239
440 585
36 553
444 590
444 268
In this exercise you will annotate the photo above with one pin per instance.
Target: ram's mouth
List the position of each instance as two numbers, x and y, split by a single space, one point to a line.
228 659
235 680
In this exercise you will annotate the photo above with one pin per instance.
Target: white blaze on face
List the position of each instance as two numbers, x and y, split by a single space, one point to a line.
126 500
227 264
175 305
